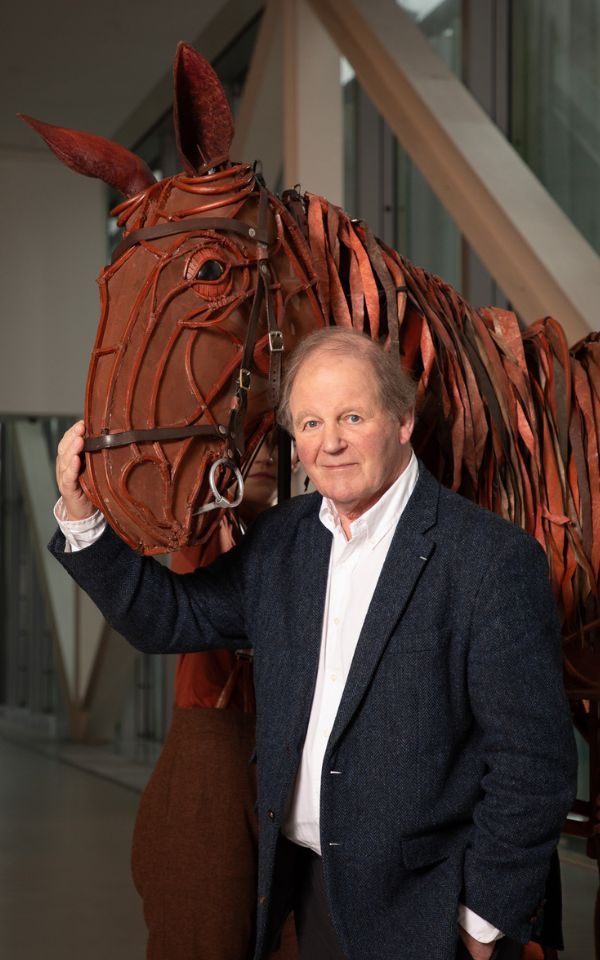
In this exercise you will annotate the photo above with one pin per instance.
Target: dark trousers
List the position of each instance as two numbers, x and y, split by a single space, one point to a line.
299 886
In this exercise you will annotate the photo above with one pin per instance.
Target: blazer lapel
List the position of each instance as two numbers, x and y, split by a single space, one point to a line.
406 559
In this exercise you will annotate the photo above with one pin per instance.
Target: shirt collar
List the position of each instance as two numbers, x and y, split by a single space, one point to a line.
385 513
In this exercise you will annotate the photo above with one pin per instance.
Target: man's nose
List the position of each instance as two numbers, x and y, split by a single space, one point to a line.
333 438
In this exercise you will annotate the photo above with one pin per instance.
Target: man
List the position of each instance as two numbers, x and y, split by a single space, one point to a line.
412 729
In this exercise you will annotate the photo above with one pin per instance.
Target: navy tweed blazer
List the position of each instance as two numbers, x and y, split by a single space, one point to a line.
453 737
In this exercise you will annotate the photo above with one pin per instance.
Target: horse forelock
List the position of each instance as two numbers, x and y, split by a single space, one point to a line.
183 196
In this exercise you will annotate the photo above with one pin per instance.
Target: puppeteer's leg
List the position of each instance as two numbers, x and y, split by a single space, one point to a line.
194 849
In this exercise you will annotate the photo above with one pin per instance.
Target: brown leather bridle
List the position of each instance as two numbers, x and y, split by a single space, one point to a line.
232 434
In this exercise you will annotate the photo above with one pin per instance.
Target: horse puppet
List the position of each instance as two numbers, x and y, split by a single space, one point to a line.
216 280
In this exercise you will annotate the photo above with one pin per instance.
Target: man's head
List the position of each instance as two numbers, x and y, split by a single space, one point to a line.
350 407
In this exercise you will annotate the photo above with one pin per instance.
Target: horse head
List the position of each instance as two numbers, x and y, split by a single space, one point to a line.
211 282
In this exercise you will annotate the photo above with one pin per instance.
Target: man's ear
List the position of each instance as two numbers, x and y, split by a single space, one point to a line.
406 426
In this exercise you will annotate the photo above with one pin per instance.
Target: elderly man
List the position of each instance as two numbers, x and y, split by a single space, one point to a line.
415 755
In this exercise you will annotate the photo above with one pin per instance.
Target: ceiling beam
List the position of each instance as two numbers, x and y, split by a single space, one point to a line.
527 243
312 95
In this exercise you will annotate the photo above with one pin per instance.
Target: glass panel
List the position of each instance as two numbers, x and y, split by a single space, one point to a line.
28 673
426 233
556 102
382 185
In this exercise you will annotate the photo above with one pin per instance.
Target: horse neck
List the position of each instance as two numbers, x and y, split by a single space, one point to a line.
357 276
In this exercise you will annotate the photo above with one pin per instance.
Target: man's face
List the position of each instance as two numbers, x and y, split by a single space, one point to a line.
350 447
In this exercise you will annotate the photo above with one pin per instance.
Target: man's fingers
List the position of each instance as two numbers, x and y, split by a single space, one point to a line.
69 468
71 471
69 465
77 431
68 458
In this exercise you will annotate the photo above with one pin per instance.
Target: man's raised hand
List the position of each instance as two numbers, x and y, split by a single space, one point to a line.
68 469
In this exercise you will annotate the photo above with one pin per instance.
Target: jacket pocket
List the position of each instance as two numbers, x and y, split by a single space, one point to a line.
432 848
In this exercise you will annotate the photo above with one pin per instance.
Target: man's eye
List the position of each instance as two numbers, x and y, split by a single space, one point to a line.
210 270
310 424
354 418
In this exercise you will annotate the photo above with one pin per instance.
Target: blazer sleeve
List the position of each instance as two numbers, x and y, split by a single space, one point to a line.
527 756
156 610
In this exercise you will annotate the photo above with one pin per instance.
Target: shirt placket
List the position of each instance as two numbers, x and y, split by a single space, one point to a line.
335 659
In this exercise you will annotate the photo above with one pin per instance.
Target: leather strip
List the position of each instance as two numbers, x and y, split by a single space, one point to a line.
295 204
263 292
107 441
191 225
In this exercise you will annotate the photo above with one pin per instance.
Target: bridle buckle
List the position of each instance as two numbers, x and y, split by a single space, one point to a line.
244 379
275 341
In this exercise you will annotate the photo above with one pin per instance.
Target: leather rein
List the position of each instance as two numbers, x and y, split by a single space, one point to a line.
232 434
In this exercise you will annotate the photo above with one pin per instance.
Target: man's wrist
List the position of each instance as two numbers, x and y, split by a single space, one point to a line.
78 534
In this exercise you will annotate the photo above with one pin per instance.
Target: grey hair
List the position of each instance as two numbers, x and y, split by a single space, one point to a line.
395 387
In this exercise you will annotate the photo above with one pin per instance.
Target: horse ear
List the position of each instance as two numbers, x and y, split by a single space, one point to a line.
95 157
201 112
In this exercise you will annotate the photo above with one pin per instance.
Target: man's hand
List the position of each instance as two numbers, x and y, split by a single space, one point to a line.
68 469
477 950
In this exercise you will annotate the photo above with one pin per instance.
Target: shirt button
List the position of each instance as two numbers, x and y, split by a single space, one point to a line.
333 677
336 620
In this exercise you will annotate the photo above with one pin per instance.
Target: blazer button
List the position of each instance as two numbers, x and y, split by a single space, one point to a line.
262 900
271 815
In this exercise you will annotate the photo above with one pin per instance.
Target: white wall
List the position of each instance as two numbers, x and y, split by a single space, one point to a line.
53 243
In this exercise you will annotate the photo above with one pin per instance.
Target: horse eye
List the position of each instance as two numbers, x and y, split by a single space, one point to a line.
210 270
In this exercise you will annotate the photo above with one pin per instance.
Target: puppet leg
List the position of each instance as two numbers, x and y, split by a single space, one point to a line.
194 850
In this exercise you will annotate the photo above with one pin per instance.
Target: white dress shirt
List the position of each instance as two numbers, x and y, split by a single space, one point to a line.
78 534
354 568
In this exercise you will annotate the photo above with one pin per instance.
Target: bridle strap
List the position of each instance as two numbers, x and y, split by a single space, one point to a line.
263 292
192 225
295 205
107 441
